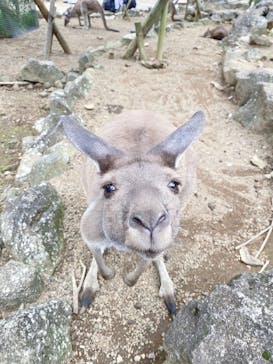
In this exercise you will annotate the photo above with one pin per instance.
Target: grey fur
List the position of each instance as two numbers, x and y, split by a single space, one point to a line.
145 175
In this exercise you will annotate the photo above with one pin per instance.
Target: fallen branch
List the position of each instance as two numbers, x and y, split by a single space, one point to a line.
12 83
264 266
265 240
254 237
76 289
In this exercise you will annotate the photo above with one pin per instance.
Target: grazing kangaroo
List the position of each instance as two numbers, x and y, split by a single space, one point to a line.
217 33
138 176
86 8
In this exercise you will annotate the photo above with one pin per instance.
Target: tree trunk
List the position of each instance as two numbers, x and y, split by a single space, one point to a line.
58 35
151 19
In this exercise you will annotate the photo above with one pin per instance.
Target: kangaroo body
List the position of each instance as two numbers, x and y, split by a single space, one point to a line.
85 8
139 176
217 33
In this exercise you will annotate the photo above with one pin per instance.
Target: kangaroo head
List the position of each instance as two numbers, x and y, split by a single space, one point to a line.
136 199
67 16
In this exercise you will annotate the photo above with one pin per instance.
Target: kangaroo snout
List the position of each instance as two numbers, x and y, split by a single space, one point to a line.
148 220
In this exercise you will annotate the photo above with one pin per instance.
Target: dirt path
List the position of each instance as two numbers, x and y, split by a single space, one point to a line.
232 202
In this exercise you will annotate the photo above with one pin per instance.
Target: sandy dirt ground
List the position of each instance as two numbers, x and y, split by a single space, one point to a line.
232 203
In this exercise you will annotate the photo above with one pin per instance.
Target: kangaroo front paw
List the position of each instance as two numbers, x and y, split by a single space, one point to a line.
170 304
86 299
108 273
130 279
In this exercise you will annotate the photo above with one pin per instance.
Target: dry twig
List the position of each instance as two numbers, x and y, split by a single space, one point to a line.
76 289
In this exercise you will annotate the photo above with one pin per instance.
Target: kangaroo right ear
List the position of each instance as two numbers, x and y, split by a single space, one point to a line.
171 149
90 144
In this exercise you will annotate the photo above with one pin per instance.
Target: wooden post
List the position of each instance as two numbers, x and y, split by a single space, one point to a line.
50 21
140 43
198 10
161 34
56 32
151 19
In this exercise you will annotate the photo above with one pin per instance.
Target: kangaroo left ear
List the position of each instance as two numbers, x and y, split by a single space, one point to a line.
102 153
176 143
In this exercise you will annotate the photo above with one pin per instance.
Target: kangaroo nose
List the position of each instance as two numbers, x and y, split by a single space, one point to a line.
147 221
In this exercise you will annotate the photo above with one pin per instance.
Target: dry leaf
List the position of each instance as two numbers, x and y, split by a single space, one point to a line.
248 259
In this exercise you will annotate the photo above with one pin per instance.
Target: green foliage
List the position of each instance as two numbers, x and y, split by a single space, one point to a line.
16 17
266 355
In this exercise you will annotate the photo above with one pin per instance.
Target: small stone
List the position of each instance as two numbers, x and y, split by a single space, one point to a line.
43 94
211 206
119 359
137 306
58 84
137 358
256 161
89 106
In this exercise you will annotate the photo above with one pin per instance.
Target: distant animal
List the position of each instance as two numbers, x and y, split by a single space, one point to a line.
173 12
85 8
219 33
139 175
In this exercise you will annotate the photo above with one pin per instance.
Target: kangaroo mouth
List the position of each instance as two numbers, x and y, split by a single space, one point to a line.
149 253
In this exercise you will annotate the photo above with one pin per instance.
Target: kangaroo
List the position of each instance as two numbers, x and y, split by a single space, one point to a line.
138 175
86 8
173 12
217 33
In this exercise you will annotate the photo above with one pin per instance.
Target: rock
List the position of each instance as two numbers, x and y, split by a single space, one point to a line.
71 76
257 112
127 38
260 40
234 62
88 58
80 87
232 325
38 335
51 164
59 103
32 226
258 162
248 22
41 71
19 283
247 83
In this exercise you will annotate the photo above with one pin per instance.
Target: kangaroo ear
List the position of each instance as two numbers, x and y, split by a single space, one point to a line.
90 144
176 143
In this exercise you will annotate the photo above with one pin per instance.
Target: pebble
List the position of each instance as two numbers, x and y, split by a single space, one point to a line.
89 106
137 358
43 94
119 359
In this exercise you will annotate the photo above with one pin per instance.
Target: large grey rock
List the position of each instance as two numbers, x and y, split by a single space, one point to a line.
36 167
19 283
232 325
88 58
257 112
234 61
59 104
38 335
79 88
250 21
247 82
41 71
32 226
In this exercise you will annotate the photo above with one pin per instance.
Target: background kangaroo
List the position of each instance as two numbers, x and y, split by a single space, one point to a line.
85 8
138 176
218 33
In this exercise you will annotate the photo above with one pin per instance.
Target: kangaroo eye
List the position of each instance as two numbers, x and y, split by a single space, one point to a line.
174 186
109 189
